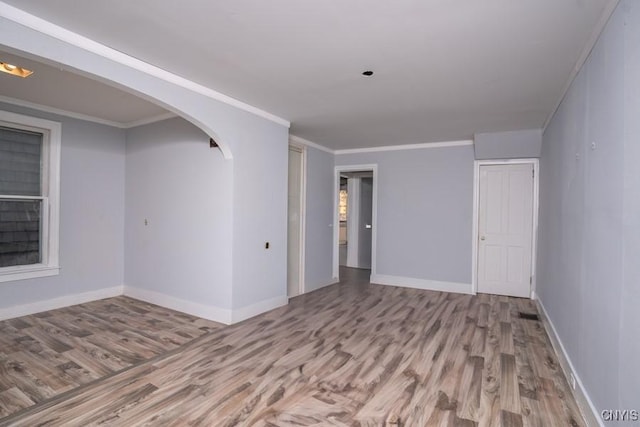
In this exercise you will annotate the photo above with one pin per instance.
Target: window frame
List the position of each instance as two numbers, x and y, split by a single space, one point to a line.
50 196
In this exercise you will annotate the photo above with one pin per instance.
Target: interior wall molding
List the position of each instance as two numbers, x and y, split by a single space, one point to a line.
38 24
205 311
298 140
588 47
301 141
406 147
588 409
149 120
321 284
84 117
60 302
209 312
243 313
425 284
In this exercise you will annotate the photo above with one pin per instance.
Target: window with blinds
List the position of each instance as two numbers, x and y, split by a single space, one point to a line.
29 187
21 197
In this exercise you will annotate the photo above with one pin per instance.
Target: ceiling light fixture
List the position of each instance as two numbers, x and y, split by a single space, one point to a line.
14 70
367 73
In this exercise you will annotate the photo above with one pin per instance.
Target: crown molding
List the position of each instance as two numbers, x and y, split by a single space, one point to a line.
38 24
297 140
584 55
301 141
85 117
405 147
149 120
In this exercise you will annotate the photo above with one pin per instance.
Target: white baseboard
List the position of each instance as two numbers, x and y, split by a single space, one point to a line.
243 313
60 302
587 408
209 312
431 285
321 285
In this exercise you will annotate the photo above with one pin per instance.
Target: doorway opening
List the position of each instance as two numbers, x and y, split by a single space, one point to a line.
355 218
295 224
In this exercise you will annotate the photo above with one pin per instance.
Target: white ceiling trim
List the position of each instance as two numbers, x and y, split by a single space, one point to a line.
588 47
59 111
85 117
149 120
23 18
302 141
406 147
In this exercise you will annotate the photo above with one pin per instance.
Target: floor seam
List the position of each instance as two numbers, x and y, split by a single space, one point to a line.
44 404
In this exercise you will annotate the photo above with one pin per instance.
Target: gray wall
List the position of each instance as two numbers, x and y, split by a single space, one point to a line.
319 219
365 234
183 188
590 217
630 299
519 144
91 214
209 218
260 187
425 211
257 145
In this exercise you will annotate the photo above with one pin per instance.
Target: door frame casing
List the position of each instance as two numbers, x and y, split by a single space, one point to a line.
303 213
476 216
336 220
353 221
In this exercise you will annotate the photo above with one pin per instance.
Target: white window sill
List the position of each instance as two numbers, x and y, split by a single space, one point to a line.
8 274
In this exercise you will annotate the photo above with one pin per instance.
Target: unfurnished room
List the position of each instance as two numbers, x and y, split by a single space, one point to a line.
320 213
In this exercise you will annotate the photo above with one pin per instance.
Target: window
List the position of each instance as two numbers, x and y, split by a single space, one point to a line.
29 189
342 206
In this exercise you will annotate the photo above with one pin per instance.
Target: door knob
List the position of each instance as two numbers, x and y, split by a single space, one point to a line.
481 237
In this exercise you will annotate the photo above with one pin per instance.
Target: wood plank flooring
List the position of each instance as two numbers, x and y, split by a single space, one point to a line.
47 354
352 354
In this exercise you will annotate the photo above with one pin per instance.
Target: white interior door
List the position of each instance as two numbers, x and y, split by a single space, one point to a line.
294 230
505 229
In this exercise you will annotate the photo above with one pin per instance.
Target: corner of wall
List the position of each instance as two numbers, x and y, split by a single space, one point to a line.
205 311
430 285
587 408
60 302
243 313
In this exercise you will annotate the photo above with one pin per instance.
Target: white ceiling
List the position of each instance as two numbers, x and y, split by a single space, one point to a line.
58 88
444 69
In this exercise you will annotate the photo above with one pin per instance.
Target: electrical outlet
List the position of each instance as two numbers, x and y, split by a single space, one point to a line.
572 381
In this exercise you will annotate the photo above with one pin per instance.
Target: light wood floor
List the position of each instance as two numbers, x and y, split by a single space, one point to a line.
352 354
50 353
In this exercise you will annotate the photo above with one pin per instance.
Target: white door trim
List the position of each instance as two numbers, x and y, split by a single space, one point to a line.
353 221
303 212
336 220
475 236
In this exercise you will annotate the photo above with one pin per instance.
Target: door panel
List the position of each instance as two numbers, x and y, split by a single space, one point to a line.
366 216
294 224
505 223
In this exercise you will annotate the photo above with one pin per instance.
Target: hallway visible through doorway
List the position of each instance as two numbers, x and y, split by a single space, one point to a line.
355 219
